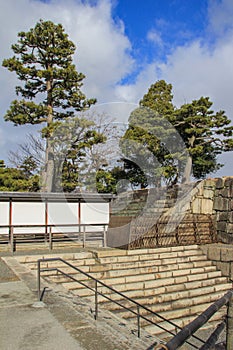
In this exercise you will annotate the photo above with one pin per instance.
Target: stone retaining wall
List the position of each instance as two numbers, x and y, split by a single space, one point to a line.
210 197
222 257
215 197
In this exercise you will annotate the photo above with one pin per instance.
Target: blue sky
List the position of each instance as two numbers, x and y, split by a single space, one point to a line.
123 46
171 22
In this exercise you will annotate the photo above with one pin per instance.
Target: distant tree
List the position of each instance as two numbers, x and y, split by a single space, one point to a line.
156 148
12 179
73 155
185 141
206 135
43 62
32 148
111 181
159 99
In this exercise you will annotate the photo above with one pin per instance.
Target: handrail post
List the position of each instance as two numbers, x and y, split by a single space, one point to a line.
229 330
138 321
84 236
96 299
38 279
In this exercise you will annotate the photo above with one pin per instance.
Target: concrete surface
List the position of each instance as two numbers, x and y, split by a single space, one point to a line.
59 322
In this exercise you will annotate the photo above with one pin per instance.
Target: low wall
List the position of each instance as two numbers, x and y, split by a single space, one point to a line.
222 257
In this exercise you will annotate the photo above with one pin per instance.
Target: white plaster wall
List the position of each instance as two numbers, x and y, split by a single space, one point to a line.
28 213
94 213
4 216
63 213
33 213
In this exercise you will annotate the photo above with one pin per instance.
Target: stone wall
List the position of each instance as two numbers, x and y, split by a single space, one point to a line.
215 197
222 257
223 209
210 197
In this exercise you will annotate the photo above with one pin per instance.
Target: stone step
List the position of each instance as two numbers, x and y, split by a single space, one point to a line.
176 282
151 302
142 287
129 277
109 275
178 308
122 261
108 252
66 256
182 322
155 256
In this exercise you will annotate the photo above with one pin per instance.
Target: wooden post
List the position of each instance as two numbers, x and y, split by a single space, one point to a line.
50 238
79 220
11 231
105 237
46 220
229 330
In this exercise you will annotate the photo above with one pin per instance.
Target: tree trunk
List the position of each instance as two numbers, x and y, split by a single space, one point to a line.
187 170
48 174
189 163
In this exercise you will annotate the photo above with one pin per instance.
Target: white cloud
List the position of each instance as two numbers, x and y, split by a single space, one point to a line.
202 67
155 37
220 17
103 50
194 69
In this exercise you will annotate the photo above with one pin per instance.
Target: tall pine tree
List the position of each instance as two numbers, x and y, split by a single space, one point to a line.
42 61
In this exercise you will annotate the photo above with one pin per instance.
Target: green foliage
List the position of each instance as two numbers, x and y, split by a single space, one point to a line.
111 181
12 179
51 86
206 135
168 144
151 140
28 167
159 99
43 61
105 182
71 140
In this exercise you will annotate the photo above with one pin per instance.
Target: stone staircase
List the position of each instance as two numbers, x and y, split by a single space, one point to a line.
152 201
158 217
178 283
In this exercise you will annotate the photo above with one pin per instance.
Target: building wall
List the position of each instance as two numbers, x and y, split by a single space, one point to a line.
28 210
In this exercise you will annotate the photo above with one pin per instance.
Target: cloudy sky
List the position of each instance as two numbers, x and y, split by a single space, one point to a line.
123 46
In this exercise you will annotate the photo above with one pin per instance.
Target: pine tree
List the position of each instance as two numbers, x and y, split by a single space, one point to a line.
206 135
152 141
43 62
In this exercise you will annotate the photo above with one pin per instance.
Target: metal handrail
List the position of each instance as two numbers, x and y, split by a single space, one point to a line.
95 290
181 337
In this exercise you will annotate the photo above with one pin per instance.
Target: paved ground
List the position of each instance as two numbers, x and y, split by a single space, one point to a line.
60 322
6 274
24 323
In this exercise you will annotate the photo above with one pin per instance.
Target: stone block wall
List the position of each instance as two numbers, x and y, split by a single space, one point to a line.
223 209
222 257
210 197
215 197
